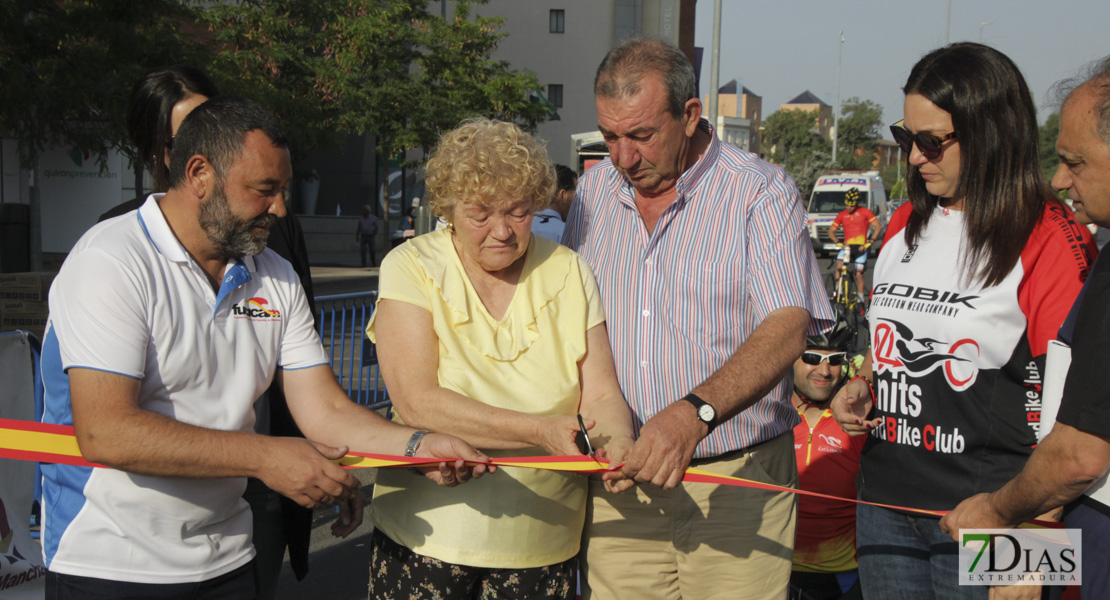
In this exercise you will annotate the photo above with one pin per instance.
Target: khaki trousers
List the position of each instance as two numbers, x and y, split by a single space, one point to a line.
698 541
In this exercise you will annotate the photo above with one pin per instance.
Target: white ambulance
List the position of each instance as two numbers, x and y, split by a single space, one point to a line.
827 201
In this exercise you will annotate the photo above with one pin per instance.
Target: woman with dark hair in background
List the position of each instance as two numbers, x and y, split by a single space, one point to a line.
977 273
157 105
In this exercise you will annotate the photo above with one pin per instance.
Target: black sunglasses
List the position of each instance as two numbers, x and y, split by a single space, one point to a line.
929 145
815 358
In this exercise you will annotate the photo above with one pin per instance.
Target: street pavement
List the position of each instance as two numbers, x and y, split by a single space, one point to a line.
329 281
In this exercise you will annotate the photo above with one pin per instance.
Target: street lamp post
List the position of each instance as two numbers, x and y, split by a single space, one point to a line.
715 67
981 26
948 22
836 111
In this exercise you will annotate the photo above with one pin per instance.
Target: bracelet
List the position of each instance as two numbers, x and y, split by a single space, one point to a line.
414 443
868 382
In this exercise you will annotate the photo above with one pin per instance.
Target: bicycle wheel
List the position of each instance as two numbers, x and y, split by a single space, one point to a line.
844 288
851 317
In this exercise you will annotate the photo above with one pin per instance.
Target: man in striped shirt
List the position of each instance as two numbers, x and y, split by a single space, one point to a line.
709 285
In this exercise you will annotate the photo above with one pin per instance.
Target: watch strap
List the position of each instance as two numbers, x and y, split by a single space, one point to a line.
414 443
696 400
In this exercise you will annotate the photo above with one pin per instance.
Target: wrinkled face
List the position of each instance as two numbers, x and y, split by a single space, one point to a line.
1084 169
817 382
243 205
492 237
178 114
647 145
942 174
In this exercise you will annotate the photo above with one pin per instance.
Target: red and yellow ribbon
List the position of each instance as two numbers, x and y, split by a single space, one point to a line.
41 442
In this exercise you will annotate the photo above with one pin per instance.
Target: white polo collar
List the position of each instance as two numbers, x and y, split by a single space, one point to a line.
165 242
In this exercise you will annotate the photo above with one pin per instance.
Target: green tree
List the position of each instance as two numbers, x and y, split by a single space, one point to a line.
861 123
67 66
792 136
328 68
459 79
1050 161
797 145
894 180
806 173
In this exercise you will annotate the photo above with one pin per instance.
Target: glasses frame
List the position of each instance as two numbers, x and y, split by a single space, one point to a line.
931 146
840 358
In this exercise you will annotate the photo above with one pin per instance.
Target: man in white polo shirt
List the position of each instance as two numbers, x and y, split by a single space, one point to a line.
165 325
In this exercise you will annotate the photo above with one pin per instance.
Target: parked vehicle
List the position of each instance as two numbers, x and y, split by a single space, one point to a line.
827 201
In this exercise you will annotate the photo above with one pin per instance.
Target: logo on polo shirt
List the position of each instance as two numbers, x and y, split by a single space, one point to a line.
256 310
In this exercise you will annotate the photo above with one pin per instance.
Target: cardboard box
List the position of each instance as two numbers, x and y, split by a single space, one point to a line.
26 286
29 310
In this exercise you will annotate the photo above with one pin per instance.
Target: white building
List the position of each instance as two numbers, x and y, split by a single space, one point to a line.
563 42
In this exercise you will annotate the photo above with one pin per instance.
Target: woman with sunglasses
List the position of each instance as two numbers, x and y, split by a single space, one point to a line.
977 273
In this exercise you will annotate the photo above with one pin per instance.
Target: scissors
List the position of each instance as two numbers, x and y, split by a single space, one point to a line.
582 439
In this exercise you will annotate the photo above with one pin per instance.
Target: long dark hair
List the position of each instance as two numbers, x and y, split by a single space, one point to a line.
148 113
1000 174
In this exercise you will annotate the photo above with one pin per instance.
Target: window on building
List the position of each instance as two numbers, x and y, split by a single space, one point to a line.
558 20
555 94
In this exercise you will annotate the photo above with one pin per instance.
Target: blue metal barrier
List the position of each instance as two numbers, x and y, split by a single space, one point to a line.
343 319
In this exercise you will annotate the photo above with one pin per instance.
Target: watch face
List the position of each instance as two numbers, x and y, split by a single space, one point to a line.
706 413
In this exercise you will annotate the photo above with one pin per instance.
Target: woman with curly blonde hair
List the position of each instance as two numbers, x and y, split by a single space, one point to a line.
496 336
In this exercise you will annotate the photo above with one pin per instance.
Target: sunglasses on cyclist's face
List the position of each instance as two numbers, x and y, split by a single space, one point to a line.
815 358
929 145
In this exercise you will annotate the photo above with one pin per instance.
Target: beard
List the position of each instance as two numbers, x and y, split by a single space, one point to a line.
233 237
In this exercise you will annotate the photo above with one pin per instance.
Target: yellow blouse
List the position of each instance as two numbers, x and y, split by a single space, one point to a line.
528 361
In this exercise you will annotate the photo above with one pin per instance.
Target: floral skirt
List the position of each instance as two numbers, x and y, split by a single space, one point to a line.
398 573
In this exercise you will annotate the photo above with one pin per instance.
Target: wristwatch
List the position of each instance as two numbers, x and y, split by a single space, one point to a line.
414 443
706 413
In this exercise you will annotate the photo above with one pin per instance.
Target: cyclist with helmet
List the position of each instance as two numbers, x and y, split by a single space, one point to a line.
828 461
861 229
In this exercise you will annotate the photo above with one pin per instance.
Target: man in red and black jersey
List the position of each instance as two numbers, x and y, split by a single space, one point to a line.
861 229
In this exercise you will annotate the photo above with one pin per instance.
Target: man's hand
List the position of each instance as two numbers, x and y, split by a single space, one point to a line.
350 516
976 512
303 470
449 474
851 406
666 446
616 452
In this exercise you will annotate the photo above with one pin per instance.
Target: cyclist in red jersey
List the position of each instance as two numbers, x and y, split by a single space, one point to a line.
828 460
861 229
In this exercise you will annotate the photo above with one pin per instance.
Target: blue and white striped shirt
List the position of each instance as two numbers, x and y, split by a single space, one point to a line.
679 301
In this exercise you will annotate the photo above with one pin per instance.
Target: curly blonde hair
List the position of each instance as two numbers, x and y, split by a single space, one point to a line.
484 162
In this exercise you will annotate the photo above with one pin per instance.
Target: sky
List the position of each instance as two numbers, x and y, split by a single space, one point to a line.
779 49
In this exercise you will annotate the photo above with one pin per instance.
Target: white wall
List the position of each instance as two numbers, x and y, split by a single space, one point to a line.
568 58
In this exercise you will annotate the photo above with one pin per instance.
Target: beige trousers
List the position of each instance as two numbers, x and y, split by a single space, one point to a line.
698 541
